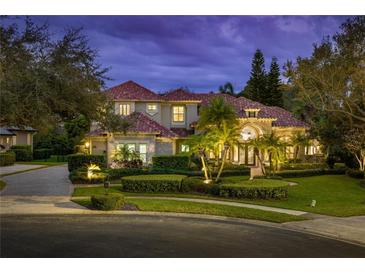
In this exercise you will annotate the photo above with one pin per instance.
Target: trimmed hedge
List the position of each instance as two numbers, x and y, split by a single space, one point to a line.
22 154
355 173
170 162
196 185
26 147
76 161
236 172
42 153
118 173
303 166
80 177
7 159
260 189
152 183
310 172
107 201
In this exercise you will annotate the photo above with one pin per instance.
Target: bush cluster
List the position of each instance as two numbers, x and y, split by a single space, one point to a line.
355 173
22 152
42 153
310 172
117 173
196 185
303 166
7 158
80 177
107 201
170 162
152 183
277 190
76 161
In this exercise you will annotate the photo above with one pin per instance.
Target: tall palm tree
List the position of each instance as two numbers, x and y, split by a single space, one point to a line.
216 113
298 140
225 138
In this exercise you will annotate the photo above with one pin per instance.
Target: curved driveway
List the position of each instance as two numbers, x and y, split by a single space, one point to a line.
50 181
157 236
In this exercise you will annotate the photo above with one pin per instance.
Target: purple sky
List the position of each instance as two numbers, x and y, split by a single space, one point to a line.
198 52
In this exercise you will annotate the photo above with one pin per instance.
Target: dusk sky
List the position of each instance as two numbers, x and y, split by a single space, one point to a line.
198 52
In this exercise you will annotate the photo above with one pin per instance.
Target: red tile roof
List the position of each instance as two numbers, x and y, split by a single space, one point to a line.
182 132
140 123
132 91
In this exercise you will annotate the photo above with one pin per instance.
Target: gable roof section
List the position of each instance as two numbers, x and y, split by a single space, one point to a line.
132 91
142 124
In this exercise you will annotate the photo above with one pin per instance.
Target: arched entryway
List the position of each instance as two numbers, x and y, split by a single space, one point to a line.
245 154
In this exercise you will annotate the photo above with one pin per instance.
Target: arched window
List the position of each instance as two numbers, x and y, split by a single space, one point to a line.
248 133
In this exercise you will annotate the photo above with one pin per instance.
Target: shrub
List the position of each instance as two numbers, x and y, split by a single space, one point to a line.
196 185
22 154
76 161
170 162
135 163
152 183
80 177
310 172
26 147
256 189
107 201
355 173
7 158
58 158
303 166
117 173
42 153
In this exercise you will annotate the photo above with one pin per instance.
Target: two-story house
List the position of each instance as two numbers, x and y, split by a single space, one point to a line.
161 123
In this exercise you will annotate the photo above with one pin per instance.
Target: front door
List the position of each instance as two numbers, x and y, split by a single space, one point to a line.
247 155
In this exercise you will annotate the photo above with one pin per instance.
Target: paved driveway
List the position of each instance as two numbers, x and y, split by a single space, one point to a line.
17 167
157 236
51 181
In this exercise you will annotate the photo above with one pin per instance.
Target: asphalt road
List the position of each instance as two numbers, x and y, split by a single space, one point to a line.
154 236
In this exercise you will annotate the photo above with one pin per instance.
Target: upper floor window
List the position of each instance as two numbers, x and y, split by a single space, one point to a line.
178 114
151 109
124 109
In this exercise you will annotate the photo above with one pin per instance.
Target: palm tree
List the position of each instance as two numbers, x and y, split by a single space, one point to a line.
224 138
297 141
200 145
270 144
216 113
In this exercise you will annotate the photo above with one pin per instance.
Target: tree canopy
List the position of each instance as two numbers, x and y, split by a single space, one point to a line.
44 80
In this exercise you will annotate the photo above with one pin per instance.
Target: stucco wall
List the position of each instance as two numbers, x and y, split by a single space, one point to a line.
98 147
164 148
142 107
22 138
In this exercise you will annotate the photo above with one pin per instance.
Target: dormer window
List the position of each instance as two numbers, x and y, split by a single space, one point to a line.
178 114
124 109
252 113
151 109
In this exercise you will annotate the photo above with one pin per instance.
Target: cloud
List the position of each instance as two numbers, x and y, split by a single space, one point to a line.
200 52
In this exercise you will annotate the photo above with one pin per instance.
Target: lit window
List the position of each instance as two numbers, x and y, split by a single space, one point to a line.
143 152
151 108
124 109
185 148
178 113
248 133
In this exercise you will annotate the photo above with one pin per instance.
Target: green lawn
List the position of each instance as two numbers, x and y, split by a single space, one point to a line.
208 209
336 195
2 185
